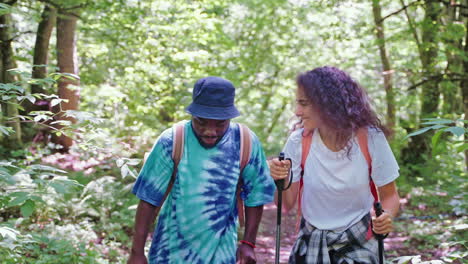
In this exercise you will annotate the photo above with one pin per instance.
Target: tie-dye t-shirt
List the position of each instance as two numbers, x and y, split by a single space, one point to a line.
198 221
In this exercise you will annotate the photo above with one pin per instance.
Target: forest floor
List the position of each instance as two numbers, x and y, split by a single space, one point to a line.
396 244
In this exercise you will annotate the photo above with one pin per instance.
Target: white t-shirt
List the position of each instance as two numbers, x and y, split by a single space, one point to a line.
336 186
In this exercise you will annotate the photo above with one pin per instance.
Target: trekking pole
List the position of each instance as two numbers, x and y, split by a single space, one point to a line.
280 187
378 212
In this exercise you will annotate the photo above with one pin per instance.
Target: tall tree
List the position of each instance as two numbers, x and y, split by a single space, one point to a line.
9 109
464 83
387 71
428 46
68 86
41 48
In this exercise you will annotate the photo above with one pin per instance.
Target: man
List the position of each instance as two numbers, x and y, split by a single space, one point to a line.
198 222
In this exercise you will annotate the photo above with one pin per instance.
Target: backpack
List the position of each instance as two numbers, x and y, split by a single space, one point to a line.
245 152
362 136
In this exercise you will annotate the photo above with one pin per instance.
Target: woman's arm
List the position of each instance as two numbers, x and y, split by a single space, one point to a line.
280 170
391 204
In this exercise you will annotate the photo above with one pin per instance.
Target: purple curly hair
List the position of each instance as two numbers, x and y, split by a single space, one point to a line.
342 103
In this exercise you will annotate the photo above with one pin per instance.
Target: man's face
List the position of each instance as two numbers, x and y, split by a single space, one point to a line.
209 131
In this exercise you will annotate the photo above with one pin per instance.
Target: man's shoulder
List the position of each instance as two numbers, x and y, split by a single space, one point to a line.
168 133
236 126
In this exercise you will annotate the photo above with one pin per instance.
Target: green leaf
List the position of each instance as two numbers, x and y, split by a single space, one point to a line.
133 162
424 130
8 232
6 130
59 187
119 162
457 131
5 9
462 147
438 122
27 208
31 98
435 141
36 198
124 171
405 259
38 167
55 102
20 197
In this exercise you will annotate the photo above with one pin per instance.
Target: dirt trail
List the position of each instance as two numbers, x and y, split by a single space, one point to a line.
266 243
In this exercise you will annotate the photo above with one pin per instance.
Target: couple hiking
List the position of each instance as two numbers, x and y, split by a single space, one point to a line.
205 169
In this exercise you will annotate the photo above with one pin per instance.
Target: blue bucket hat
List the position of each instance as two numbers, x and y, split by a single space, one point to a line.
213 98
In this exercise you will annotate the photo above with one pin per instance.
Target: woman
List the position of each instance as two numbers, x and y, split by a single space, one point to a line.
336 199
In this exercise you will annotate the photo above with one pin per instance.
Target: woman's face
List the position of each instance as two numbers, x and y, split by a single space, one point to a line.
306 111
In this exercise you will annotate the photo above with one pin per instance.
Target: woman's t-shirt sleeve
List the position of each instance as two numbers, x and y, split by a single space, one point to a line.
384 165
156 173
293 150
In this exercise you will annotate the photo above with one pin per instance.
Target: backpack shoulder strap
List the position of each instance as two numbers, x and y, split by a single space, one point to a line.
245 146
362 137
177 152
306 142
245 153
178 143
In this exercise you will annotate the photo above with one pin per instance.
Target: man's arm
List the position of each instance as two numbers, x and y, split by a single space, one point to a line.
144 218
245 253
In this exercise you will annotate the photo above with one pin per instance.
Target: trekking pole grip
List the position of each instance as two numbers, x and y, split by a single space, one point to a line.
280 183
378 212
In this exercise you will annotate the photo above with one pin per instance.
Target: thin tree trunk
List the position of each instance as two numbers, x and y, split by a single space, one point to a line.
430 91
464 84
451 92
9 109
387 70
67 62
419 146
41 48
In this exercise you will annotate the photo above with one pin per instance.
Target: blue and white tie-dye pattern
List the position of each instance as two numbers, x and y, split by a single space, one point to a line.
198 221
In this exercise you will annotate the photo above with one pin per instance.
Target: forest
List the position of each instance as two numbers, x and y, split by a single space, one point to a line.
86 88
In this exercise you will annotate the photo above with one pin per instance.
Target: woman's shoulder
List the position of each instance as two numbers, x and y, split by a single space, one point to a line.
375 133
296 136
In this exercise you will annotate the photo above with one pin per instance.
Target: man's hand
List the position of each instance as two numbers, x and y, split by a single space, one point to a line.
245 255
137 259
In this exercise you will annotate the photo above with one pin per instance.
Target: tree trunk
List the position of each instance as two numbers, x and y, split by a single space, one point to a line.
9 109
41 48
464 84
451 103
430 91
67 63
419 146
387 71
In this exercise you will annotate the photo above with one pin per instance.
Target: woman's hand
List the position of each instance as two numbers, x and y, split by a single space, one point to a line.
382 224
279 169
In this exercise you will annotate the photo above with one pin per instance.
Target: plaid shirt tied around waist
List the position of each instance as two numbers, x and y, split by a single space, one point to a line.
315 246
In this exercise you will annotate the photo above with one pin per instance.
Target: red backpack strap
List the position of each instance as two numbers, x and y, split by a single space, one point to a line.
362 137
245 152
177 152
306 143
